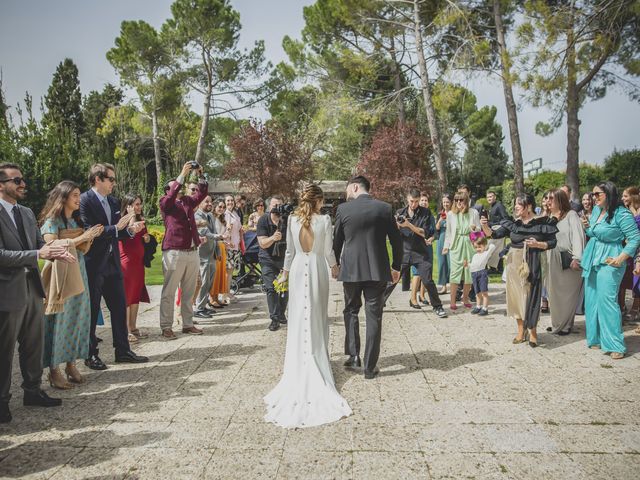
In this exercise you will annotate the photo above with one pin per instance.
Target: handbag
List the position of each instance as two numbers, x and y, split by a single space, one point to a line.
523 268
565 259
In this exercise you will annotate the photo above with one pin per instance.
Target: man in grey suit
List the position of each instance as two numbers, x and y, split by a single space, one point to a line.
21 292
208 251
362 227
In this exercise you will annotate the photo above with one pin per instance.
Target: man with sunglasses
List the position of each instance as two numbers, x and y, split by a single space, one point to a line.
180 259
21 292
104 272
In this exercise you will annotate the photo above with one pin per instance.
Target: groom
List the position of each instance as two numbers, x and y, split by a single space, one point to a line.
360 245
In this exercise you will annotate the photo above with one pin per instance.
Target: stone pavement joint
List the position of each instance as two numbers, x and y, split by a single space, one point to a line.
455 399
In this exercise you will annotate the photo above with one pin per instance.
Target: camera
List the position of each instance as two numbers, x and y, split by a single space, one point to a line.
194 165
401 218
283 210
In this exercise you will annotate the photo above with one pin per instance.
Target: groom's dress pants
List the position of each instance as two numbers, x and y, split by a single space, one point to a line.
373 302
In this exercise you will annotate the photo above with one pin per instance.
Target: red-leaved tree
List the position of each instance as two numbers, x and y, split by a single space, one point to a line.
268 160
396 160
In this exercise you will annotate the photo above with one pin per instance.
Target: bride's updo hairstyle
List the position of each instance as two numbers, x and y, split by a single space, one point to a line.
309 197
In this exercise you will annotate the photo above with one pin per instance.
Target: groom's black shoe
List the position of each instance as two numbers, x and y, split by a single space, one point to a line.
275 325
353 362
39 399
369 375
5 413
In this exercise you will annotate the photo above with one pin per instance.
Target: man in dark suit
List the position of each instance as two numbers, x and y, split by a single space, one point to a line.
360 245
98 207
21 292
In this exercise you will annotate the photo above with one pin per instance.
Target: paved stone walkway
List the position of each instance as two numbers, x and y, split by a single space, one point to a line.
455 399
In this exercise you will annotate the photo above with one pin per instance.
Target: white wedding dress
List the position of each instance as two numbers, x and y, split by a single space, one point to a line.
306 395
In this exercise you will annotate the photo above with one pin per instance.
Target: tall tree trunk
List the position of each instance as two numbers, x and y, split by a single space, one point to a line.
573 123
204 126
156 145
397 84
428 103
512 114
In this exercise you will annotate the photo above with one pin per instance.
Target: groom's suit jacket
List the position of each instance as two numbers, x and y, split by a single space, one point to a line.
360 240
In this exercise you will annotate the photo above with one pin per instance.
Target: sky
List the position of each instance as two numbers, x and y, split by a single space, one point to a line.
36 35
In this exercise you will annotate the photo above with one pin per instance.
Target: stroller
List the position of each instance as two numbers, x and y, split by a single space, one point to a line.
248 272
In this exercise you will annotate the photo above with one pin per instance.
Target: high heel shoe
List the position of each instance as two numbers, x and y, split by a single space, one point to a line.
414 305
58 381
517 340
73 375
422 300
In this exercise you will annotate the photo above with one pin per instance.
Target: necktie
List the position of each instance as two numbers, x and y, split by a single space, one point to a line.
17 217
107 209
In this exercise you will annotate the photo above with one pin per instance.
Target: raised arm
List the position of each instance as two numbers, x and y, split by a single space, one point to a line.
396 242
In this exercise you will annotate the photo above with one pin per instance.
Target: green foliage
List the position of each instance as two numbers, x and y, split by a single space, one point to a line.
623 167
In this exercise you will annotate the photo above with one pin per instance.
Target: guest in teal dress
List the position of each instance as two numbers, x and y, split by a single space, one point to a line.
66 334
603 265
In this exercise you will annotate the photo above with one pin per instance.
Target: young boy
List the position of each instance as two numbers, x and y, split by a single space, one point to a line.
480 275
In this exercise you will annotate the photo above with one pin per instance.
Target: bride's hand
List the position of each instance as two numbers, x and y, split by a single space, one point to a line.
284 275
335 271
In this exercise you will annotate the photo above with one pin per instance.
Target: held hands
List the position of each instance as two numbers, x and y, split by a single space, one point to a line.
428 241
575 265
335 271
445 250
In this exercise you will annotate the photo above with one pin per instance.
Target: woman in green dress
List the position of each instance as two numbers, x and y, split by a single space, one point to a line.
66 334
461 221
603 265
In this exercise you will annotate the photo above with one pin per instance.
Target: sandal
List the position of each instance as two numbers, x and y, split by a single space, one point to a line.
56 380
73 375
139 334
453 306
617 356
595 347
133 338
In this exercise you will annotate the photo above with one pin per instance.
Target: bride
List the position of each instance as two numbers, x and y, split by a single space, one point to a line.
306 395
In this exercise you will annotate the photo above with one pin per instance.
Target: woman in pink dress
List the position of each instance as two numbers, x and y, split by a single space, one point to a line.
131 258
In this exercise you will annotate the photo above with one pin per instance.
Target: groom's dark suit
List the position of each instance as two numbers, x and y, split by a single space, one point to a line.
360 245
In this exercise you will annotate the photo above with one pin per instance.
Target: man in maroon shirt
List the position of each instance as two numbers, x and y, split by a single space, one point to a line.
180 260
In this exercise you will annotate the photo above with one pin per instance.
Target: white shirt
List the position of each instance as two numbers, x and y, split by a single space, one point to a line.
9 208
479 260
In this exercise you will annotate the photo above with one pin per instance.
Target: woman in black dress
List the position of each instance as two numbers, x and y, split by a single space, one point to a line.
529 237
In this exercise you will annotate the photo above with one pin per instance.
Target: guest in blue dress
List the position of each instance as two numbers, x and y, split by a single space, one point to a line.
441 229
603 265
66 332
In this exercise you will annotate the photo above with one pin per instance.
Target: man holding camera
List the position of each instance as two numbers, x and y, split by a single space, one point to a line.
271 239
417 227
180 259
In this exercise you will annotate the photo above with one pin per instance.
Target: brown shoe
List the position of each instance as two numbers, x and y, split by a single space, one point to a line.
192 331
168 334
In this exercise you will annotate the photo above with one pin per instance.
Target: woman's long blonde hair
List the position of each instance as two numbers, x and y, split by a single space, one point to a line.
309 198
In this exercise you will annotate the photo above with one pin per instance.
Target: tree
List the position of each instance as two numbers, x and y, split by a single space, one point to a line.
207 31
94 110
268 160
583 48
621 167
395 161
143 59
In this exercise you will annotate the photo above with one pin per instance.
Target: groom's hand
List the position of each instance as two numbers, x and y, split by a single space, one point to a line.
335 271
395 275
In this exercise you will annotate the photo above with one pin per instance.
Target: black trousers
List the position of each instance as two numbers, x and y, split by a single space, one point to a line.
373 304
108 284
425 271
26 326
276 302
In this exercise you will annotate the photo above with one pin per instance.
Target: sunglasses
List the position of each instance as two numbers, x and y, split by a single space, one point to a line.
16 180
597 194
193 189
459 199
111 179
260 205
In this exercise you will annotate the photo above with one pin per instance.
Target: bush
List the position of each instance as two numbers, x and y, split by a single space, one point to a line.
157 231
623 168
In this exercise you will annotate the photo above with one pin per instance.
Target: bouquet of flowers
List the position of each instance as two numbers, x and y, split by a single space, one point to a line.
281 283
